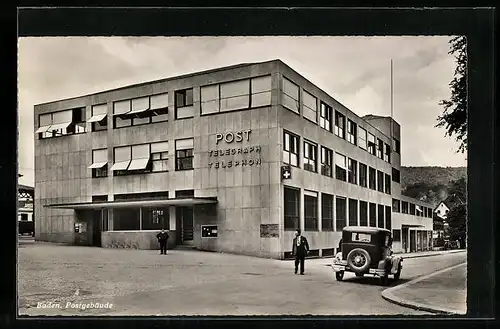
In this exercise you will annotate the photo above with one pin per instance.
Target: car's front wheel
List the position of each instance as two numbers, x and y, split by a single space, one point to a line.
339 275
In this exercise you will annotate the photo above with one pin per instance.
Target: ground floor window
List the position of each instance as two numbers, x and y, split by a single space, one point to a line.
363 213
326 212
310 211
396 235
353 212
388 221
381 216
341 206
373 214
291 208
126 219
155 218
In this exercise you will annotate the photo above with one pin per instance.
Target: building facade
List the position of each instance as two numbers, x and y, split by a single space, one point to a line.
25 215
232 160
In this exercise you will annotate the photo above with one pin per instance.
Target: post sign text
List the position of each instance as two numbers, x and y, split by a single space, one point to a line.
241 156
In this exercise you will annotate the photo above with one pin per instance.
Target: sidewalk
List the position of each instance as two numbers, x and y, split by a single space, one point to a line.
444 291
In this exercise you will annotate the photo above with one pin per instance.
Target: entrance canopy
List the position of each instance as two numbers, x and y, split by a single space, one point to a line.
135 203
412 226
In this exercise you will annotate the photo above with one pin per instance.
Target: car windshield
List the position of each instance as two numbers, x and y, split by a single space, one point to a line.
361 237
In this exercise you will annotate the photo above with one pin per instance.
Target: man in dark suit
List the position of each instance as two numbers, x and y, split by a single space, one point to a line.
162 239
300 249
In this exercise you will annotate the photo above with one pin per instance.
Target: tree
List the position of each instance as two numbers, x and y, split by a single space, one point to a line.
458 224
457 189
454 117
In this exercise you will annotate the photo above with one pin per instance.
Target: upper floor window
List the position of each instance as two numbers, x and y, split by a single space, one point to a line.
387 184
380 149
339 125
61 123
131 159
387 154
159 156
184 154
371 144
340 167
396 205
139 111
235 95
380 181
362 138
372 178
352 166
159 107
120 111
325 118
184 104
310 156
363 175
99 117
290 95
310 107
261 91
412 209
395 175
326 161
290 149
404 207
396 146
99 164
351 132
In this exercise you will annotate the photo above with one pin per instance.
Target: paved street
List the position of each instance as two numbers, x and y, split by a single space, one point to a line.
142 282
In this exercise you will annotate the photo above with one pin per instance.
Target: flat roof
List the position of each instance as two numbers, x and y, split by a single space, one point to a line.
134 203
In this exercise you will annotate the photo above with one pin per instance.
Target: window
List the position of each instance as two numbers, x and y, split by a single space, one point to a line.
159 156
418 210
325 118
363 179
290 149
184 154
373 214
396 145
353 212
141 158
120 111
326 161
381 216
261 91
395 175
404 207
155 218
291 208
363 213
122 157
310 107
412 209
310 156
290 95
372 178
380 149
339 125
140 111
351 132
396 235
371 144
396 205
99 117
340 167
99 164
61 123
362 138
326 212
310 211
235 95
352 171
388 222
340 213
387 184
210 99
387 154
380 181
126 219
44 123
78 125
159 107
184 104
24 217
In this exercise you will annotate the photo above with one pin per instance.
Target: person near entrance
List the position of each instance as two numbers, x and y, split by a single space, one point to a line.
300 249
162 239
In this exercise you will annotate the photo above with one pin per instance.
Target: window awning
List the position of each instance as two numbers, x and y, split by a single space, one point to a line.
138 164
123 165
138 111
60 126
97 165
123 115
97 118
42 129
135 203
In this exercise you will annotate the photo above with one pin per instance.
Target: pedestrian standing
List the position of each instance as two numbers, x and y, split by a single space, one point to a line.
162 239
300 249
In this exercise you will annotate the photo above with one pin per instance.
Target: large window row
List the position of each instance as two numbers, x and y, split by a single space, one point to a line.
336 211
341 126
142 158
61 123
236 95
139 111
409 208
333 164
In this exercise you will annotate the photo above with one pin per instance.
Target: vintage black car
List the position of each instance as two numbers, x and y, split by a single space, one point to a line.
367 250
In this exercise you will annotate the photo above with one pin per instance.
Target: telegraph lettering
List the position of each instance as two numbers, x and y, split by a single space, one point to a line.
230 136
237 163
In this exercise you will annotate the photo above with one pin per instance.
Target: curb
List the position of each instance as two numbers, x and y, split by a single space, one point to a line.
389 296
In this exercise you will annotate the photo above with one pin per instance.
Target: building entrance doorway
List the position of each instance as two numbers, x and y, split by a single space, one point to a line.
96 227
184 224
404 238
413 241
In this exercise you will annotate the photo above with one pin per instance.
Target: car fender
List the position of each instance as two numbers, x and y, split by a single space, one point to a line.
396 262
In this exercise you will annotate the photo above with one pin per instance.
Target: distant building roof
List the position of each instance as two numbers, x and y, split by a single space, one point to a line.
26 187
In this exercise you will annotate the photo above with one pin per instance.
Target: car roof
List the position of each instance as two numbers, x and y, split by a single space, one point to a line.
365 229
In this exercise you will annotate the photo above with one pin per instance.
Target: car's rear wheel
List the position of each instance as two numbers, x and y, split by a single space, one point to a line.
397 275
339 275
358 260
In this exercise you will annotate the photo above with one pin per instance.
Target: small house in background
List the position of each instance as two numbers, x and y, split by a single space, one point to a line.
442 210
25 214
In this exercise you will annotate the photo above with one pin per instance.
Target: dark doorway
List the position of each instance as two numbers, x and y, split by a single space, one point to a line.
413 241
184 219
404 238
96 227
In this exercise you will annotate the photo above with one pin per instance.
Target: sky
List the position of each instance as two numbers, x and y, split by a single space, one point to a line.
353 70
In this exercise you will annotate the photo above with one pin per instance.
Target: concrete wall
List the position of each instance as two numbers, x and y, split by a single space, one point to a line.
135 239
